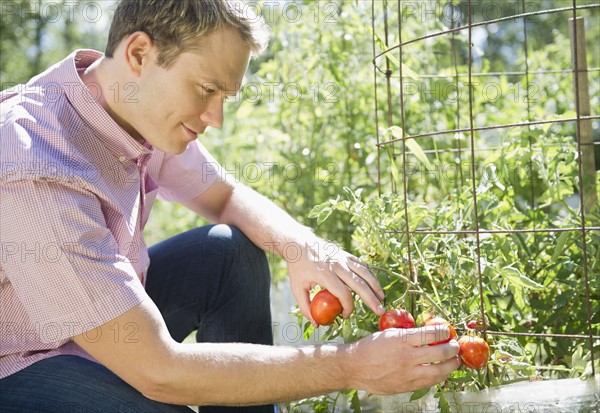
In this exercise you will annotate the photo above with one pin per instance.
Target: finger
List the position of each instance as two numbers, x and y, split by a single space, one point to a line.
342 293
360 286
428 335
361 268
303 299
437 353
431 374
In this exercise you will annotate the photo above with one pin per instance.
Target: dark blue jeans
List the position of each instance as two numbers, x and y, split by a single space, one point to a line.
211 279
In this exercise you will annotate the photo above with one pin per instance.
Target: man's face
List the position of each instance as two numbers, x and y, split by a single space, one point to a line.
174 105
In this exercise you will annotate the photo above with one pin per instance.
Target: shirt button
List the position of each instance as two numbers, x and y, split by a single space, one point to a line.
122 158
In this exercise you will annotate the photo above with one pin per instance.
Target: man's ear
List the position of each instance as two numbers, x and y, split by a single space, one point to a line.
138 51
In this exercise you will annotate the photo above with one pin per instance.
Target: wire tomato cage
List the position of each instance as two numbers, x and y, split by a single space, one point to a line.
459 82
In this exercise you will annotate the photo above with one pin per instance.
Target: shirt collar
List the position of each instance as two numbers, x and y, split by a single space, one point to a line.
113 136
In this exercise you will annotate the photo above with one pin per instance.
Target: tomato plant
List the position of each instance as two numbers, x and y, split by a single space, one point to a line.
396 318
418 232
325 307
474 351
441 281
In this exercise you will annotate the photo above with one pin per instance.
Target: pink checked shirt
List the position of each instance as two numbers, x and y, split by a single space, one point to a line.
75 193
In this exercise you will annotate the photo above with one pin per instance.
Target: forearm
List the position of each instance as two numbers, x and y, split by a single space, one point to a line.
247 374
267 225
311 260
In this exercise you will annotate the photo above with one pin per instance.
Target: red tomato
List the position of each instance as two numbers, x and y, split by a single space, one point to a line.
474 351
440 321
325 307
474 325
397 318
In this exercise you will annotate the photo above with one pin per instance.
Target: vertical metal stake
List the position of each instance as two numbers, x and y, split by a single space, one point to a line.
584 127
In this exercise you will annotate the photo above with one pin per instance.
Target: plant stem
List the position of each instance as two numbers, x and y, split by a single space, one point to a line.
416 288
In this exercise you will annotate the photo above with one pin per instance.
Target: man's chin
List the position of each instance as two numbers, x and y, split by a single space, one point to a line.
173 149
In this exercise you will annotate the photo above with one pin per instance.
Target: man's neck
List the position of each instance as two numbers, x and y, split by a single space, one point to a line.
101 85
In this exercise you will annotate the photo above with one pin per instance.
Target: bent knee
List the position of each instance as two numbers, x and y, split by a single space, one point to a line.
235 243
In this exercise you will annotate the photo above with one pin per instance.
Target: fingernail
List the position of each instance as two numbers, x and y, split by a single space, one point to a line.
380 309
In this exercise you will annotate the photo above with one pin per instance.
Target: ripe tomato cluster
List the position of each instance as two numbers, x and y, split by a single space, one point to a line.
474 351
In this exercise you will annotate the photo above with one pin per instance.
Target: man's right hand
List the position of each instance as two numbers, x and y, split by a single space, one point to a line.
397 360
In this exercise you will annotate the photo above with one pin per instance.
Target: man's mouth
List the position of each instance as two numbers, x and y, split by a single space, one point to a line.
191 133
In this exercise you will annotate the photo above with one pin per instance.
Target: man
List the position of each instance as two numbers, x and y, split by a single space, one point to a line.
92 320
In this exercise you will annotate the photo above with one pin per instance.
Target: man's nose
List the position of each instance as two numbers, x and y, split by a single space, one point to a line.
212 115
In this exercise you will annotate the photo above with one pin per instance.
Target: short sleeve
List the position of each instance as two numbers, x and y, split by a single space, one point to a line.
185 176
61 259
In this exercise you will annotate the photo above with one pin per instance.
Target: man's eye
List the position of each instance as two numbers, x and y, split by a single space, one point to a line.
209 90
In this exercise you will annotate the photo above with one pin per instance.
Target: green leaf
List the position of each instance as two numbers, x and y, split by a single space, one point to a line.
406 71
518 296
578 361
412 145
314 213
587 373
460 379
443 404
552 368
560 245
355 402
419 393
416 149
321 212
519 365
323 217
347 330
309 329
516 278
393 167
321 406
